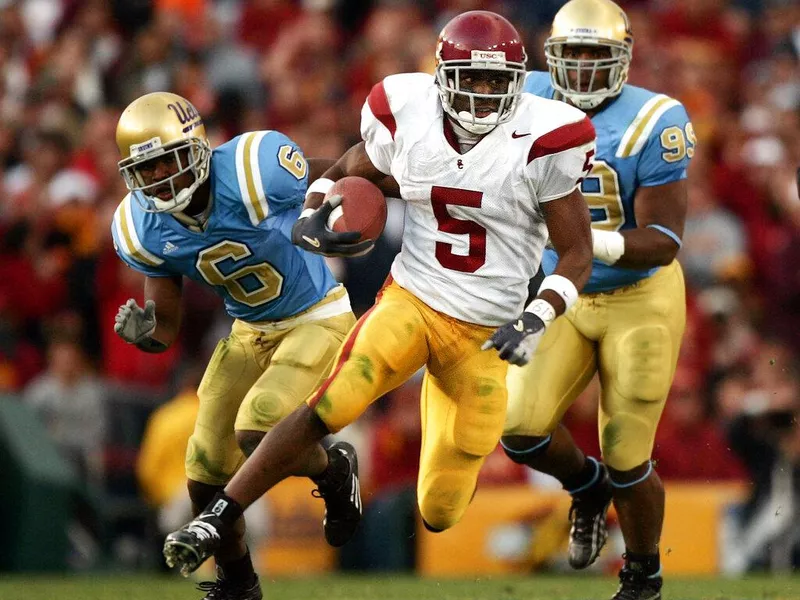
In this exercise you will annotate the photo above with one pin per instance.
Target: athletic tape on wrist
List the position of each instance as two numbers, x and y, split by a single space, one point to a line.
561 286
321 185
542 309
607 246
307 212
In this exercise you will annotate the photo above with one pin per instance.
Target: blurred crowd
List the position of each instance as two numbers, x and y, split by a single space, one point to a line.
305 68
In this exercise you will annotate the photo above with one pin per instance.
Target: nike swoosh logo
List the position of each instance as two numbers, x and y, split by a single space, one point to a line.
519 326
313 241
516 135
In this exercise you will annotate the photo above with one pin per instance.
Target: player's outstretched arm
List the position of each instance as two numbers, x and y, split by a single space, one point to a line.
660 216
154 327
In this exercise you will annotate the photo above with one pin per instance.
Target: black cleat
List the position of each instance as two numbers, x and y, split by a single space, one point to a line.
589 530
194 543
635 585
222 589
343 501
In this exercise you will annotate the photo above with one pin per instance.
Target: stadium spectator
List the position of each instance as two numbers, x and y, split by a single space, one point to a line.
68 398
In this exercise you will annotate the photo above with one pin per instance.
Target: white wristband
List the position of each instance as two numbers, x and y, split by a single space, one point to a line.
307 212
542 309
561 286
607 246
321 186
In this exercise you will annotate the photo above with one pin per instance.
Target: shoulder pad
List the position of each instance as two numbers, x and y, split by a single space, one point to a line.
128 237
642 125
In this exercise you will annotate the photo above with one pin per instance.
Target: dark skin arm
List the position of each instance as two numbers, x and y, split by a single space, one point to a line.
568 222
356 162
317 166
663 205
166 293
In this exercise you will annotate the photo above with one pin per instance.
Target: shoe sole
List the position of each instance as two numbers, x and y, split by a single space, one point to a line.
179 554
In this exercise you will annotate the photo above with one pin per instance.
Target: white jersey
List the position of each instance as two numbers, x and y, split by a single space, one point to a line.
474 231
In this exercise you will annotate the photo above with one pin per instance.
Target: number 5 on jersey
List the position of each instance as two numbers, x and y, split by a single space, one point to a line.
476 254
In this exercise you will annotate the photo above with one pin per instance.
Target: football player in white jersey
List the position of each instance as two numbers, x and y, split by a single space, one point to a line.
486 173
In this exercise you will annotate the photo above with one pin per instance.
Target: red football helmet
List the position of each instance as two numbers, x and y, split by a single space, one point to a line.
480 40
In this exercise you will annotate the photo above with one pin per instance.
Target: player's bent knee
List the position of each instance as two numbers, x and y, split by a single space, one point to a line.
430 527
211 461
264 410
479 423
645 364
522 448
627 440
444 496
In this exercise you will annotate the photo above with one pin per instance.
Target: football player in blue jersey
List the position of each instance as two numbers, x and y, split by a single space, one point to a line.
628 322
224 217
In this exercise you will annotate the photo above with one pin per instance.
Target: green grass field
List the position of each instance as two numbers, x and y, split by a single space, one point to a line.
390 587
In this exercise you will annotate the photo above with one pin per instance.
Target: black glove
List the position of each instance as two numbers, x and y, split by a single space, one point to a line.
311 233
518 339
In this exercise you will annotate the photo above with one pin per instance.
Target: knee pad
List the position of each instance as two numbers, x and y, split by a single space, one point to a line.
443 496
538 446
210 463
645 359
264 410
627 440
479 419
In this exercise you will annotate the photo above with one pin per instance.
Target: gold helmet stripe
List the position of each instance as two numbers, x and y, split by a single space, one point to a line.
641 127
249 175
126 233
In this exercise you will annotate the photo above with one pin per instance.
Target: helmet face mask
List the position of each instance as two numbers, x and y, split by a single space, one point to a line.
587 82
479 112
589 51
187 164
480 70
166 155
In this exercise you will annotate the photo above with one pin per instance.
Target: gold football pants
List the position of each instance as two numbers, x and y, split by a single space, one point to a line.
632 336
463 399
259 374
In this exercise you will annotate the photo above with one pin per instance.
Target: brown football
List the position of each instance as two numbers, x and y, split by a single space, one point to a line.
363 208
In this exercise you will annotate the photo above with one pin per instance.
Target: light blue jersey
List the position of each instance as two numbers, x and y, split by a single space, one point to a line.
258 185
643 139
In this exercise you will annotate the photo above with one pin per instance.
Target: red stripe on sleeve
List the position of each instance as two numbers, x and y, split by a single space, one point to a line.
379 105
563 138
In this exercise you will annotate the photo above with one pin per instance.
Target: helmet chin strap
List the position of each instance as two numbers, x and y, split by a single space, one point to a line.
477 125
180 200
461 131
194 222
586 103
